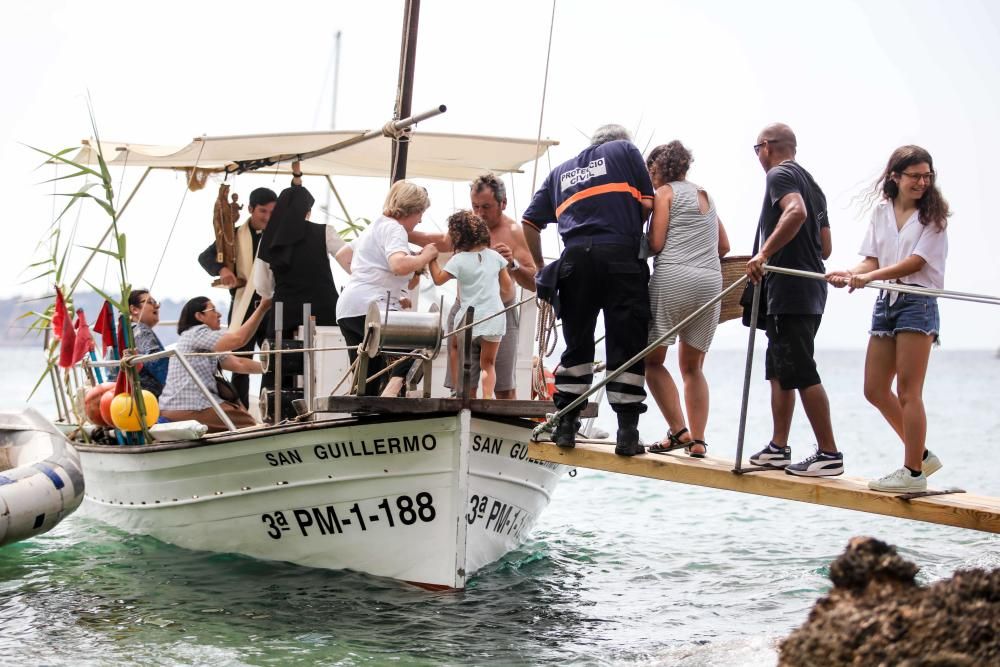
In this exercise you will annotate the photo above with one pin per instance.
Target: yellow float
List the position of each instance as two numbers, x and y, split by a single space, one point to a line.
125 414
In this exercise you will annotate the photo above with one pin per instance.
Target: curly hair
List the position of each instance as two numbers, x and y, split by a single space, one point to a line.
933 207
467 230
671 161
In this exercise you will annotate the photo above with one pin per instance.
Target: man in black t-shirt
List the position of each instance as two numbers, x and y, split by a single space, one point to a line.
793 233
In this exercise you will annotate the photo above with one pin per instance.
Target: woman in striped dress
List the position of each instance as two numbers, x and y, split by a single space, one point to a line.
689 239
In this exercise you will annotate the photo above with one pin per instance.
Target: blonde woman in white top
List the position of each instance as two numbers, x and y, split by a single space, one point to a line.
906 243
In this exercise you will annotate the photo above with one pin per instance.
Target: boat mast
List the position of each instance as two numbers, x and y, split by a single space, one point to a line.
404 88
333 105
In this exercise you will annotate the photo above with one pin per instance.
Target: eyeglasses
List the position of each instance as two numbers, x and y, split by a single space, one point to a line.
757 147
929 177
150 302
210 309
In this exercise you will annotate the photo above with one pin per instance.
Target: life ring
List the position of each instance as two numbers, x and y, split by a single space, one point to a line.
550 382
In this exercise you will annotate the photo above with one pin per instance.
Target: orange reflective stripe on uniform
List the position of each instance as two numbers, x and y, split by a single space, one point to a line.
599 190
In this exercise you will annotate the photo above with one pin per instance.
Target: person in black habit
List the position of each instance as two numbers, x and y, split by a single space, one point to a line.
292 266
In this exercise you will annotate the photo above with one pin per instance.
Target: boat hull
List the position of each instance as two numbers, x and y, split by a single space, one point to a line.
428 499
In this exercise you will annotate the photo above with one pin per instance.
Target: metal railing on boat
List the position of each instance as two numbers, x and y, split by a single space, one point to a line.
332 403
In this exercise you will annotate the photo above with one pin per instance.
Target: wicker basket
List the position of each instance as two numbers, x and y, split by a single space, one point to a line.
733 268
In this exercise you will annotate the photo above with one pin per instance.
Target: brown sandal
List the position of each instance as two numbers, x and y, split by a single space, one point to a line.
670 443
693 454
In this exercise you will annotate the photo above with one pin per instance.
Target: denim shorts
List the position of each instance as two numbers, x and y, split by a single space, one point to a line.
911 312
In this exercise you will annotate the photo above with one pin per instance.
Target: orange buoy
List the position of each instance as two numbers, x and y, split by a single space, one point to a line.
92 404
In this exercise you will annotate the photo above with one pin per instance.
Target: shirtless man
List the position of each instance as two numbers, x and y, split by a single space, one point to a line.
489 200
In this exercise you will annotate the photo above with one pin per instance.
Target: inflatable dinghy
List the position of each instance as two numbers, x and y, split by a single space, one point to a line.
41 481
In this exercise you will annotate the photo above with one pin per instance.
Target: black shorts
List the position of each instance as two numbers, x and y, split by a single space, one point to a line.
790 349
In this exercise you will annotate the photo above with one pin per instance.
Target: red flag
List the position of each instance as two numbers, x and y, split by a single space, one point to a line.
105 325
59 315
121 384
66 344
84 340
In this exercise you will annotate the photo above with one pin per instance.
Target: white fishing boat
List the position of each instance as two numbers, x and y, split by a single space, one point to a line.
425 490
425 498
40 478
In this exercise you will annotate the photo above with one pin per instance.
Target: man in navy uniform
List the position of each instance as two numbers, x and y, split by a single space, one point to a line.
600 200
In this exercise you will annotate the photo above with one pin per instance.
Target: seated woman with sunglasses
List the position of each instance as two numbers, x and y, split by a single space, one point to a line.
144 312
200 328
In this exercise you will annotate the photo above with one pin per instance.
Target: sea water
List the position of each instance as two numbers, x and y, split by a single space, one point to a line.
619 570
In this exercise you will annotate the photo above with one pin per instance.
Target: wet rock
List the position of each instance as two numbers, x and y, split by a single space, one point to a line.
876 614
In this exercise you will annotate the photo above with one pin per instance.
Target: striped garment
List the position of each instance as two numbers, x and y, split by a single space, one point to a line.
687 273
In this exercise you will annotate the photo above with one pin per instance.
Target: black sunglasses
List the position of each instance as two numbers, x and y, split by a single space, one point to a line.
757 147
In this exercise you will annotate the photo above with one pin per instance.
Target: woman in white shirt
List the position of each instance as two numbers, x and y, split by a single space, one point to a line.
381 267
906 243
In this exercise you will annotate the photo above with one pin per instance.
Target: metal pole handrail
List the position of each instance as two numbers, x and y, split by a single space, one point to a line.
153 356
895 287
204 390
490 317
754 312
610 377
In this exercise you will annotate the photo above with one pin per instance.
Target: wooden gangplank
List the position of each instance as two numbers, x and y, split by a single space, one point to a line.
964 510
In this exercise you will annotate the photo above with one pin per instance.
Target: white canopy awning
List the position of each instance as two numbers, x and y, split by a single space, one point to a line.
431 155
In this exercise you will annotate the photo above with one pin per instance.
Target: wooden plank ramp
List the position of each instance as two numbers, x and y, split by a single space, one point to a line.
964 510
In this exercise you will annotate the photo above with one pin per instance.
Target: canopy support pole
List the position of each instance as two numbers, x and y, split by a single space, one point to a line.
111 227
404 91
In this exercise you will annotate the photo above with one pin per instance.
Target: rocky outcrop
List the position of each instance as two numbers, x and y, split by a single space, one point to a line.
876 614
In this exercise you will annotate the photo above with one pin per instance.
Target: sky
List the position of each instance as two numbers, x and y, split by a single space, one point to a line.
853 79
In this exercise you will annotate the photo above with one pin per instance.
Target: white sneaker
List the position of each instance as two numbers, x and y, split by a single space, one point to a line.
900 481
931 464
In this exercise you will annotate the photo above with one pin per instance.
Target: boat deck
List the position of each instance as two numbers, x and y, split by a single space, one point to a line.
964 510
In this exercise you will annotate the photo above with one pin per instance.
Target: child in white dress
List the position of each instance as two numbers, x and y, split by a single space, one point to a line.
480 274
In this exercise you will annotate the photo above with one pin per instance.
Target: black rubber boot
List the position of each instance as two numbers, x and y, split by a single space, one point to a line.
565 433
628 435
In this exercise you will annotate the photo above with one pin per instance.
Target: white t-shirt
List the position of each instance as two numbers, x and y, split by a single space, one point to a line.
479 288
371 278
891 246
263 276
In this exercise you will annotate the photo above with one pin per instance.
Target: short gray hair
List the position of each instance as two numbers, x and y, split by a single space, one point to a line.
609 132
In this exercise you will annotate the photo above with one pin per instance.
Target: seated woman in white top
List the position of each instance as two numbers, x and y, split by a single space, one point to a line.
906 243
200 329
381 267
